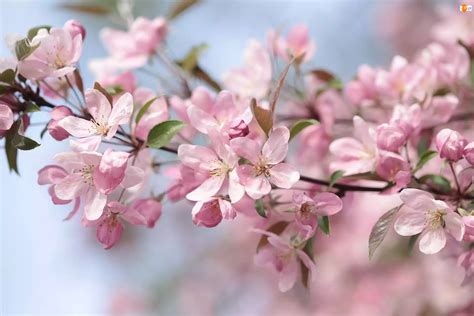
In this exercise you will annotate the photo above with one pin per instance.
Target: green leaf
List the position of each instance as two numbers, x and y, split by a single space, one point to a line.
190 61
380 229
336 84
323 224
7 76
264 117
424 143
436 182
161 134
23 49
32 107
276 228
11 151
260 208
335 176
143 109
301 125
34 31
425 157
20 141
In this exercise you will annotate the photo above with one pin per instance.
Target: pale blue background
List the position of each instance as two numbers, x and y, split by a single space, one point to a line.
53 267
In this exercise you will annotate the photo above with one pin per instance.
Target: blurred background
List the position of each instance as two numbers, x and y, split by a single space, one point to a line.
51 267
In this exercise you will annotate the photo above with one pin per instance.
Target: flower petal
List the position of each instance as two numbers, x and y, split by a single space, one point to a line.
246 148
327 203
417 199
196 157
121 111
70 187
77 126
276 147
432 241
207 189
284 175
454 225
98 105
94 203
410 223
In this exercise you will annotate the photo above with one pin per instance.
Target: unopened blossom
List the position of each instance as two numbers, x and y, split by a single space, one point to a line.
422 213
469 153
308 209
210 212
131 49
56 56
109 225
394 168
74 28
390 137
105 120
6 117
355 154
284 256
253 79
266 164
450 144
149 208
57 114
297 43
218 163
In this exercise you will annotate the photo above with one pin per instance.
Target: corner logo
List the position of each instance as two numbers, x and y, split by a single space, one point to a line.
465 8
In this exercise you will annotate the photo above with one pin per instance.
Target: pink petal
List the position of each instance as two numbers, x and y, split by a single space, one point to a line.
98 105
133 176
201 120
70 187
308 263
454 225
246 148
410 223
150 209
236 190
207 189
122 110
77 203
196 157
417 199
94 203
327 203
256 187
432 241
288 275
51 175
77 126
276 147
90 143
227 210
111 171
207 213
284 175
6 117
108 233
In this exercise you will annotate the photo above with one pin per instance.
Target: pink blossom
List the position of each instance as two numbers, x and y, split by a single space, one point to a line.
421 213
266 164
390 137
439 110
92 176
307 209
156 113
296 44
469 225
466 261
407 118
254 78
105 117
131 49
355 154
389 164
218 163
206 113
469 153
284 256
56 56
109 226
149 208
210 212
57 114
6 117
363 92
75 28
450 144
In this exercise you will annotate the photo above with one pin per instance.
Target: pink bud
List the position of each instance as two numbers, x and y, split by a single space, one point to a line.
450 144
58 113
209 213
6 117
389 164
74 28
390 137
238 129
150 209
469 153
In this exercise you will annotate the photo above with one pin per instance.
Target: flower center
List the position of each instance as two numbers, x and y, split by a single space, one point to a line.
435 219
219 168
101 128
87 172
262 168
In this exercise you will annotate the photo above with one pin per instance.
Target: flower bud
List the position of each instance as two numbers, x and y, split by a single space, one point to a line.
238 129
389 164
390 137
469 153
6 117
450 144
57 132
74 28
150 209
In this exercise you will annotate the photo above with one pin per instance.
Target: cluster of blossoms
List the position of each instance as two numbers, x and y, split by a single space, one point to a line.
399 131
